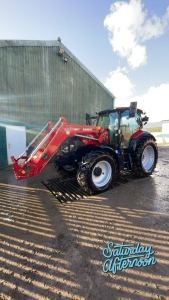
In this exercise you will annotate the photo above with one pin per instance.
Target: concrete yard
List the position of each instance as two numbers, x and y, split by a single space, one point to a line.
51 250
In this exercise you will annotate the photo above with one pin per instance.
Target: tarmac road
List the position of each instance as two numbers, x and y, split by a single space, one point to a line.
51 250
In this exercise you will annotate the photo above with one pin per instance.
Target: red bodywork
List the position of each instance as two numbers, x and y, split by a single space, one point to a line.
138 133
27 166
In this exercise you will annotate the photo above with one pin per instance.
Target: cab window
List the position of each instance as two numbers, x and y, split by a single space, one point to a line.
108 120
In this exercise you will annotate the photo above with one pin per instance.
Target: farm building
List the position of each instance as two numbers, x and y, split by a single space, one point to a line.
160 130
41 81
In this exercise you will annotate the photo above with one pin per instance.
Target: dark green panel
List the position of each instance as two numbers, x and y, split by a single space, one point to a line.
3 150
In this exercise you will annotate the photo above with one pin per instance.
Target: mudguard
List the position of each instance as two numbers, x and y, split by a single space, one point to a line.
137 136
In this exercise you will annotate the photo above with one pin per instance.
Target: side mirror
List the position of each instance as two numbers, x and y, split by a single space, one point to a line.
145 119
88 119
133 109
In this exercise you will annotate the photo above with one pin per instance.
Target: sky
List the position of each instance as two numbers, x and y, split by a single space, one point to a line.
125 44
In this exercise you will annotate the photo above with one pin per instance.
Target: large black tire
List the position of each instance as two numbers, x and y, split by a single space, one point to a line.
144 159
96 172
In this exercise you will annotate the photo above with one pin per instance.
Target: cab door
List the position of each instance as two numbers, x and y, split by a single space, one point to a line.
110 121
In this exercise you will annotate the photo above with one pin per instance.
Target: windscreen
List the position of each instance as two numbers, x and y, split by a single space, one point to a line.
128 126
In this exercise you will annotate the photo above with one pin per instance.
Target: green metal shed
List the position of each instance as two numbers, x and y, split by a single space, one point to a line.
41 81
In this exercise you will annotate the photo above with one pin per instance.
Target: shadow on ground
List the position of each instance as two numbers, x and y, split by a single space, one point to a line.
51 250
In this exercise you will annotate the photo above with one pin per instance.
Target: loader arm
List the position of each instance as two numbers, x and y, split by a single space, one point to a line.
50 138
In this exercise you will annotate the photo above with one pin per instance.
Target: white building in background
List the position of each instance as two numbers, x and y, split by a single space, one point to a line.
160 130
165 127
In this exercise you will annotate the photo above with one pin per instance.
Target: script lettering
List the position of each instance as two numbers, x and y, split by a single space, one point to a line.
122 256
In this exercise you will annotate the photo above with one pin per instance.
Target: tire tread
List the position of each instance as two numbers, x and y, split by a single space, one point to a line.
136 158
85 166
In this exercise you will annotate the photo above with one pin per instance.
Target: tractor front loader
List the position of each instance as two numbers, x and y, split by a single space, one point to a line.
95 153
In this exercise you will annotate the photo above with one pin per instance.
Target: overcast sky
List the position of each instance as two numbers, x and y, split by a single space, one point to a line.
125 44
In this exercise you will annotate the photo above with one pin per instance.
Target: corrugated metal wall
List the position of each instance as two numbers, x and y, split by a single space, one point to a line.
36 85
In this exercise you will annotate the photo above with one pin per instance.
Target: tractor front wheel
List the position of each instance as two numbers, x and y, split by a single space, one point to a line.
96 172
145 158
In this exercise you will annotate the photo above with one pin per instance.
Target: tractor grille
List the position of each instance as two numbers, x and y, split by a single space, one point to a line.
68 190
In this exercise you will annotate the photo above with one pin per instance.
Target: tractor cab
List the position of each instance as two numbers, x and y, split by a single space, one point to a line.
121 124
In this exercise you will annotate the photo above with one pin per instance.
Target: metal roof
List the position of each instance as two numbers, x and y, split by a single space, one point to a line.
153 124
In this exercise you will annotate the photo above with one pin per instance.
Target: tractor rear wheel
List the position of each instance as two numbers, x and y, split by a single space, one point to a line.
145 158
96 172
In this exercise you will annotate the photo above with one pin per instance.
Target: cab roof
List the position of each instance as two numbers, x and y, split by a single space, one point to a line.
119 109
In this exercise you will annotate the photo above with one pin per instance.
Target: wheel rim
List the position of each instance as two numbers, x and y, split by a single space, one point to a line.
148 157
106 171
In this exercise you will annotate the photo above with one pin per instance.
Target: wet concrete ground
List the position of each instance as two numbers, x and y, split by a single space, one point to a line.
51 250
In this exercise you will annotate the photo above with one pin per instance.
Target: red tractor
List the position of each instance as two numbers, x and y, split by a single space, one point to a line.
95 153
